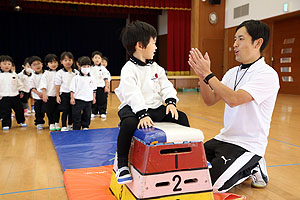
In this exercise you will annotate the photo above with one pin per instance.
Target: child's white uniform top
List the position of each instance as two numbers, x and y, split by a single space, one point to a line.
24 78
63 78
83 87
47 82
34 82
10 84
143 87
100 74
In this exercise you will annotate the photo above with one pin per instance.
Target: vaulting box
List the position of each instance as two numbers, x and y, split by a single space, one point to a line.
166 162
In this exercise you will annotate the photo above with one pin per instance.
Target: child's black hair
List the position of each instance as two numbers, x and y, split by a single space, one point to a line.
66 54
26 60
137 31
105 58
49 58
96 53
5 58
84 60
34 58
256 30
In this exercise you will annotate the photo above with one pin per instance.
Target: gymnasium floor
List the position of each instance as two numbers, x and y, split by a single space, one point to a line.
29 167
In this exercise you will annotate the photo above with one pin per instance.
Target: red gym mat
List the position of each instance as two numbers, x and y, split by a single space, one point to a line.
89 183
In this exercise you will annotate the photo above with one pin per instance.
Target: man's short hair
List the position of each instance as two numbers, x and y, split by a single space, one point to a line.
256 30
137 31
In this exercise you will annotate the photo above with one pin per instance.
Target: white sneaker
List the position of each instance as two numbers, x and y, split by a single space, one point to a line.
52 127
32 111
85 129
28 111
70 127
103 116
93 116
39 126
123 175
5 128
23 124
260 175
57 127
64 129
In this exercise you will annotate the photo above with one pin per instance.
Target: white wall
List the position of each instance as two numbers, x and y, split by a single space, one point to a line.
258 9
163 23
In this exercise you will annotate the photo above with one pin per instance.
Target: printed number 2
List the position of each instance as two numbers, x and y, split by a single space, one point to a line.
176 188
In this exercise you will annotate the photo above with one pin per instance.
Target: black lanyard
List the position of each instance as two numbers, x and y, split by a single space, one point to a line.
236 83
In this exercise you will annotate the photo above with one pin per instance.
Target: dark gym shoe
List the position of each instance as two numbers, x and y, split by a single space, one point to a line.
123 175
259 175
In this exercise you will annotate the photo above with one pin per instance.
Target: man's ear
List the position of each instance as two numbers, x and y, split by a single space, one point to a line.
259 42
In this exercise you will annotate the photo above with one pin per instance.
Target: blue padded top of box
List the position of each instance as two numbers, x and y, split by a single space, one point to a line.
150 135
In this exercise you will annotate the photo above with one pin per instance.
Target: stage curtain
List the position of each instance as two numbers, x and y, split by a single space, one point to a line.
153 4
178 42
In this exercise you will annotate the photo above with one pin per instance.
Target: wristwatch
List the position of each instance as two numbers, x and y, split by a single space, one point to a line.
208 77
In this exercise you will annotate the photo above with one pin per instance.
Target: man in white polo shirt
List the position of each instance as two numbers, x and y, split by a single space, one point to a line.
249 92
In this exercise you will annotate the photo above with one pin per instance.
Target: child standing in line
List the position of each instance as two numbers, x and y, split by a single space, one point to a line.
48 88
104 61
24 77
101 76
143 87
62 81
37 65
83 93
9 94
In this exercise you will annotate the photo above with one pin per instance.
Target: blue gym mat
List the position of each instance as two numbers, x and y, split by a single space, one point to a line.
84 149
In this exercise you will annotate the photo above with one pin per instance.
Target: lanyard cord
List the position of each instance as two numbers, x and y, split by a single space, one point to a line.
236 83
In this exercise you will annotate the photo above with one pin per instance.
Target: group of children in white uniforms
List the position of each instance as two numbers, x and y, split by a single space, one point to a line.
51 90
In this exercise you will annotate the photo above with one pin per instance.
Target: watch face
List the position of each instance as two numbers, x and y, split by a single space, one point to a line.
213 18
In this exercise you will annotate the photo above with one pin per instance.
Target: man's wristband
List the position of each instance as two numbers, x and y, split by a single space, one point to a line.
208 77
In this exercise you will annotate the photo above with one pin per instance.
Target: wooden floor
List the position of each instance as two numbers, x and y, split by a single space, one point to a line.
29 167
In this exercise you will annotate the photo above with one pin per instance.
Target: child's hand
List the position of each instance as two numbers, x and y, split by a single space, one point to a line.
40 94
72 101
58 100
145 122
94 100
171 108
45 98
106 89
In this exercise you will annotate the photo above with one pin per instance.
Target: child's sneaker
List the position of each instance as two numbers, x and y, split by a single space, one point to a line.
26 114
57 127
39 126
93 115
52 127
28 111
259 175
23 124
103 116
5 128
123 175
85 129
64 129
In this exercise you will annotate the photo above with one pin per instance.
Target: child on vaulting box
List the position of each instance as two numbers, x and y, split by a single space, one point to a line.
143 88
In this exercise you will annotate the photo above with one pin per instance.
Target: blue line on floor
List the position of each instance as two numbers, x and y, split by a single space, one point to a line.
284 142
223 125
32 190
284 165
